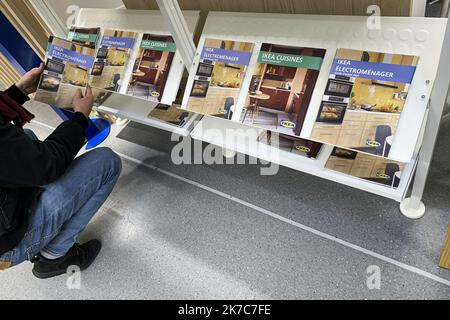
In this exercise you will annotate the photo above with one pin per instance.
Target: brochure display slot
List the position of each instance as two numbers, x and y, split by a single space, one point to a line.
412 37
145 23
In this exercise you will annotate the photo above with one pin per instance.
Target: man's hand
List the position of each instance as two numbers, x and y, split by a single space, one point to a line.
83 104
29 82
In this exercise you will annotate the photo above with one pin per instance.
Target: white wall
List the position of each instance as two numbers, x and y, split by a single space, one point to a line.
61 6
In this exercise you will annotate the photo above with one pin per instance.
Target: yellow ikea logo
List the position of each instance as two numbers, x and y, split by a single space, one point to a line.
155 94
288 124
373 143
303 149
383 175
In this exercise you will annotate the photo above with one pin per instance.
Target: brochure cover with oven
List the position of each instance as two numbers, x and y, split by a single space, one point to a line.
219 77
112 59
365 96
67 69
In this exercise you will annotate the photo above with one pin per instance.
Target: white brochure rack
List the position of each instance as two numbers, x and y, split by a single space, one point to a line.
143 21
414 144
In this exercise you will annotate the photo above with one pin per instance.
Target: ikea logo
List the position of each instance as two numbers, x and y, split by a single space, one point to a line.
303 149
383 175
288 124
155 94
373 143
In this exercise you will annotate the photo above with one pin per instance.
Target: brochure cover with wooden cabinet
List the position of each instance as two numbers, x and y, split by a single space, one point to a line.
219 77
87 37
364 99
291 144
112 59
152 67
67 69
368 167
282 87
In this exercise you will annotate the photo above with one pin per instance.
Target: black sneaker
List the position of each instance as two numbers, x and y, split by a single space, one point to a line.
81 256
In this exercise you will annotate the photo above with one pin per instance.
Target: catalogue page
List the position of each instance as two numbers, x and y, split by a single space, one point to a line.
282 87
367 167
152 67
219 77
365 96
112 59
291 144
67 69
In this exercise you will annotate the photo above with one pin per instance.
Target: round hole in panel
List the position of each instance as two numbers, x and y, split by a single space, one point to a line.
403 48
373 34
405 34
422 35
387 47
389 34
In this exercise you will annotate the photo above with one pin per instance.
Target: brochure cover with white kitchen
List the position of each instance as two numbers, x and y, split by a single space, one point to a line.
219 77
67 69
152 67
282 87
301 147
367 167
365 96
112 59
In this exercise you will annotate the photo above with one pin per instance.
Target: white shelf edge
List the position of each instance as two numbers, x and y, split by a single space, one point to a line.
310 166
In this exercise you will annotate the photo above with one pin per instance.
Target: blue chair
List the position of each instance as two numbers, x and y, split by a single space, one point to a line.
382 133
229 103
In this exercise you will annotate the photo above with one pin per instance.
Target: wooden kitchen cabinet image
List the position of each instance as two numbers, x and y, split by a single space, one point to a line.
340 165
348 137
278 99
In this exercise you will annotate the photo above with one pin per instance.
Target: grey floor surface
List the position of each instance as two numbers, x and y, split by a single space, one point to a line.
165 238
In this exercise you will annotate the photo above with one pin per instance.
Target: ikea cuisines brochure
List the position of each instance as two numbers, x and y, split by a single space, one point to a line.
282 87
364 98
152 67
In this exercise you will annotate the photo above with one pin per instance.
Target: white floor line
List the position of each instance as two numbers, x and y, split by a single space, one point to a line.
318 233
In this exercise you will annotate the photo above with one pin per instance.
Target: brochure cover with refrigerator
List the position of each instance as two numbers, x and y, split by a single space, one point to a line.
112 59
220 74
282 87
291 144
365 96
67 69
87 37
152 67
367 167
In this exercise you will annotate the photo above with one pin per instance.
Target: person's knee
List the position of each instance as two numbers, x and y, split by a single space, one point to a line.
110 160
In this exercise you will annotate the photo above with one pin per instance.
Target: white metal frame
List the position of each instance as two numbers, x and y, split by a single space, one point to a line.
412 207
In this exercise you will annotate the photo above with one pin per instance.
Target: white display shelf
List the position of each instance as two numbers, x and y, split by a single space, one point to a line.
422 37
141 21
234 136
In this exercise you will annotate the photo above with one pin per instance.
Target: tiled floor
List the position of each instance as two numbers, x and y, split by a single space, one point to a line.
197 231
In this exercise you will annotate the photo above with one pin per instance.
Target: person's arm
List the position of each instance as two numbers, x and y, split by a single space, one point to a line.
30 163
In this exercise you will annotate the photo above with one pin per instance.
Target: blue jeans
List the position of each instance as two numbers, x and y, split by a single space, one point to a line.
67 206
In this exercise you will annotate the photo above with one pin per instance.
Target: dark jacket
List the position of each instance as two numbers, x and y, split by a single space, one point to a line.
27 165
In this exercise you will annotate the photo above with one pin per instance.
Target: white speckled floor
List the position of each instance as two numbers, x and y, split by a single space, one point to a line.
165 238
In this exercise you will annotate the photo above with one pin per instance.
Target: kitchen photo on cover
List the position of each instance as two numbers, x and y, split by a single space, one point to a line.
365 96
152 67
219 77
282 87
